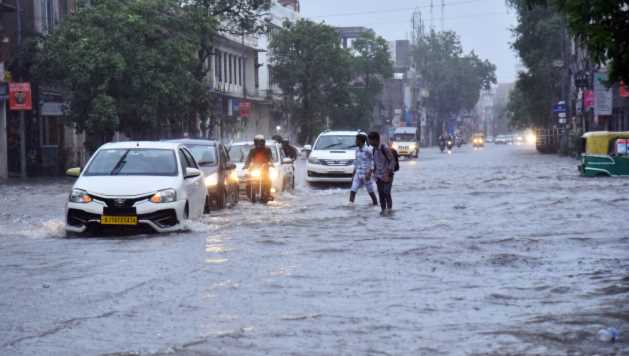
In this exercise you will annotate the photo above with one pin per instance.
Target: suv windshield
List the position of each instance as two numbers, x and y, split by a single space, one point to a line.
404 137
204 155
239 153
133 162
336 143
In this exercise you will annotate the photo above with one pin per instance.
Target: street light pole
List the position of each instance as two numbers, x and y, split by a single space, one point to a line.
18 8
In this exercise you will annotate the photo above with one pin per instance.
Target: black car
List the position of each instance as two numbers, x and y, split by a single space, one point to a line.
221 178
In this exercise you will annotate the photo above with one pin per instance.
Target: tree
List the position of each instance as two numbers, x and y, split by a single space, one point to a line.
453 79
128 65
539 43
371 64
313 71
602 25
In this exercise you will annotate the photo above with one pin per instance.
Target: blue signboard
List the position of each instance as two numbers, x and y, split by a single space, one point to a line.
560 107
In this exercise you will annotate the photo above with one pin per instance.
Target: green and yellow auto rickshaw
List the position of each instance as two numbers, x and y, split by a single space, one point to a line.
605 154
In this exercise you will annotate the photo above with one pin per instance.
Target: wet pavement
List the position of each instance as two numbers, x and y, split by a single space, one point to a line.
494 252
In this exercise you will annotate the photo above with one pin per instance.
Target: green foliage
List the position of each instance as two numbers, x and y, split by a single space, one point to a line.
313 71
454 79
371 65
128 65
538 42
602 25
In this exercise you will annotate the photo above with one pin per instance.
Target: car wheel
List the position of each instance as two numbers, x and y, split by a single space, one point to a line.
207 208
220 198
236 195
186 212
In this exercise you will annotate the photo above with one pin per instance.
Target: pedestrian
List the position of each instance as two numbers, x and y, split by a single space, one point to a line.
363 170
384 168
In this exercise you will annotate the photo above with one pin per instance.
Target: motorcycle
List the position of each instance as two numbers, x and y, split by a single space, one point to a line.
442 146
256 189
450 146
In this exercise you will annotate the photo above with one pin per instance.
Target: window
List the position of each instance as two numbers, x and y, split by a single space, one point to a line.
225 75
240 70
218 66
204 155
621 147
190 160
230 69
47 15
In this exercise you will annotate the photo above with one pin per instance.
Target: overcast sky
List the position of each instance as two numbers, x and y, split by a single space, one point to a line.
483 25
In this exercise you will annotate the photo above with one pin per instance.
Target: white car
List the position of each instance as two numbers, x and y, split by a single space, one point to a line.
331 159
282 173
136 184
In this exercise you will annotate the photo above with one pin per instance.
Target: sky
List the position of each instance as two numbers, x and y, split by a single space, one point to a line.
483 25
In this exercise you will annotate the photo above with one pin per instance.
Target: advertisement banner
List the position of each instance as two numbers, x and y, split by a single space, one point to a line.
20 97
245 109
588 100
603 96
624 90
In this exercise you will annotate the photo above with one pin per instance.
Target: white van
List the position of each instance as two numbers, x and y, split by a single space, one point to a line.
331 159
405 141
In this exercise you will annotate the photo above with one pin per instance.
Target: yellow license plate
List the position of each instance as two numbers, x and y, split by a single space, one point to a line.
119 220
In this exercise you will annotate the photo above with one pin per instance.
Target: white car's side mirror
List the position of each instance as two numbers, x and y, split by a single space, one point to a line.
192 173
287 161
307 148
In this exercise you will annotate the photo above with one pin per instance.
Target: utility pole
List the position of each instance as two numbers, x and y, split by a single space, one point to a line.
18 7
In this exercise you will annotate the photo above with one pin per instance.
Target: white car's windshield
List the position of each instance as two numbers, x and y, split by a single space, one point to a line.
239 153
404 137
133 162
204 155
336 143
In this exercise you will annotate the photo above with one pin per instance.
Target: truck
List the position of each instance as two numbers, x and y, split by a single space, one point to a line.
406 142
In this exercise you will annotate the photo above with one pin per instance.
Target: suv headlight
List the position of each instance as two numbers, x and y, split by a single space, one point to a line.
80 196
164 196
211 180
313 160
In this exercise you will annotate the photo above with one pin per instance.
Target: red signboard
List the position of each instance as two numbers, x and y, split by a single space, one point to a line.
624 90
588 100
245 108
20 97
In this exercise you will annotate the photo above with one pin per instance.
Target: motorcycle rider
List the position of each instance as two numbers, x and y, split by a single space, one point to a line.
261 157
289 150
442 142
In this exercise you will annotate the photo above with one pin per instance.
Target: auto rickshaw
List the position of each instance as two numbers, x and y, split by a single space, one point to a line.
605 154
478 140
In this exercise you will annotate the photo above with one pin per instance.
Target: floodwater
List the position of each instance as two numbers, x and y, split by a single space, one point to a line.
493 252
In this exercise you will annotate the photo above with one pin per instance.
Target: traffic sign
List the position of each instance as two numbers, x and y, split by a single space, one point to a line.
560 107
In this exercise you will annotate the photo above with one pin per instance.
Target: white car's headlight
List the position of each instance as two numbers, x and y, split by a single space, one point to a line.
273 173
413 147
314 160
164 196
211 180
80 196
395 146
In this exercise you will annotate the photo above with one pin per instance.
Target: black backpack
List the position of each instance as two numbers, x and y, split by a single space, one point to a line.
396 157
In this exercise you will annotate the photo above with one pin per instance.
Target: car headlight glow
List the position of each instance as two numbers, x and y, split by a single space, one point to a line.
233 177
80 196
395 146
255 173
211 180
413 147
273 173
164 196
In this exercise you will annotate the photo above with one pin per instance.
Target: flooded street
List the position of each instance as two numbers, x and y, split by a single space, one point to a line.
500 251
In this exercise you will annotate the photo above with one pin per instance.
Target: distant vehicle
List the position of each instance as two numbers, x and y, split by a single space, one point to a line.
405 142
221 178
501 140
478 140
282 173
489 139
518 140
605 154
136 184
331 159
